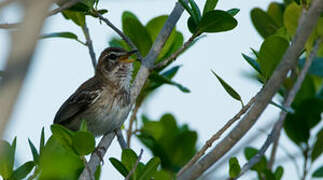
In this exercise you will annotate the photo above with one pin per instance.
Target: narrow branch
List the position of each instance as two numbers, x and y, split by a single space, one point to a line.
97 157
135 166
131 121
289 61
89 44
66 5
9 26
179 51
121 139
279 124
216 136
121 34
305 170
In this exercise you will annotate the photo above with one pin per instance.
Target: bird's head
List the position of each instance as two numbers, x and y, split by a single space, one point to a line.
115 66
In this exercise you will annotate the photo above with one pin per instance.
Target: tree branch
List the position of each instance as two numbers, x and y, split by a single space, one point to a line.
216 136
179 51
66 5
9 26
289 61
89 44
141 77
96 157
288 102
121 139
121 34
20 56
132 119
135 166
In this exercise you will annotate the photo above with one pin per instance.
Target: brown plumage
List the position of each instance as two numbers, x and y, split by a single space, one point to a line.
104 99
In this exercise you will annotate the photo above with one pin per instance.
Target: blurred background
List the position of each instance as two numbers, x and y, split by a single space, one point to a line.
60 66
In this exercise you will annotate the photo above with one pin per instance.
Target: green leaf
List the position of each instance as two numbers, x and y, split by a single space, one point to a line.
6 159
186 7
271 53
57 162
209 6
291 15
97 173
150 168
318 146
228 88
234 167
33 151
217 21
119 166
133 28
129 158
279 172
23 170
233 11
164 80
307 114
68 35
83 143
77 17
275 11
42 141
263 23
196 10
318 172
62 135
252 62
249 152
192 26
83 126
154 26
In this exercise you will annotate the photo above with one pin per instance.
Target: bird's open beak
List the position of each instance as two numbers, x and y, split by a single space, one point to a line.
125 58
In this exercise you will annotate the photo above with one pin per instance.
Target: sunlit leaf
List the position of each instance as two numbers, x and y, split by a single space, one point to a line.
271 53
234 167
77 17
83 142
133 28
150 168
291 15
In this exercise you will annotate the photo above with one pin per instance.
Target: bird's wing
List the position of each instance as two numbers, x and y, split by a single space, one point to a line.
85 95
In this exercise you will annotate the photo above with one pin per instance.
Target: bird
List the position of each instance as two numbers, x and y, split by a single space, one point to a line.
103 100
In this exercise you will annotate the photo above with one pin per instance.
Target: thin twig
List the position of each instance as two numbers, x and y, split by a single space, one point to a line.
66 5
121 34
9 26
132 118
216 136
135 166
279 124
289 61
121 139
89 44
305 170
176 53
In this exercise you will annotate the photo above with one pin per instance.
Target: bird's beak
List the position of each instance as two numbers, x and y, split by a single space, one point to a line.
125 58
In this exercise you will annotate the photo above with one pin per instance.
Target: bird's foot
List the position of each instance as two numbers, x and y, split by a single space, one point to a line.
98 150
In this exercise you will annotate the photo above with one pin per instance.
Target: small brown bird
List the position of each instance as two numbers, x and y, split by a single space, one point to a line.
104 99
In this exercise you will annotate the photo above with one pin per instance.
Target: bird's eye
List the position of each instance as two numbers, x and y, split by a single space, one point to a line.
112 56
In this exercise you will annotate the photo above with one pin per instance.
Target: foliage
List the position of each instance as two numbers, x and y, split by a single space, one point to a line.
173 144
